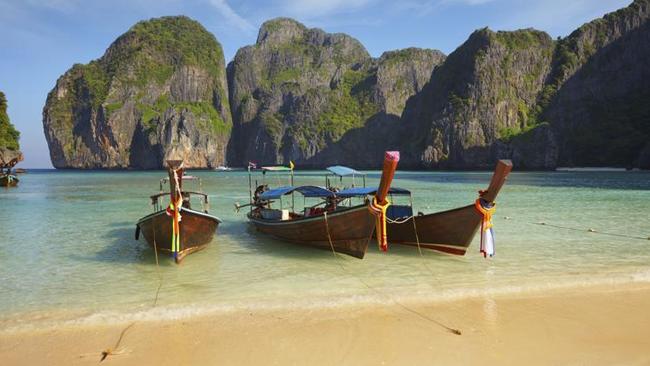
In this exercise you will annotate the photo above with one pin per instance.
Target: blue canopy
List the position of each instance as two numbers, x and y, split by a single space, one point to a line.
343 171
365 191
307 191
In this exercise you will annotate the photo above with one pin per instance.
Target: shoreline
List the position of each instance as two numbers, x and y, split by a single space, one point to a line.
36 320
602 324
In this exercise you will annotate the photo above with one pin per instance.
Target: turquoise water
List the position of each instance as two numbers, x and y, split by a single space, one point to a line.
68 254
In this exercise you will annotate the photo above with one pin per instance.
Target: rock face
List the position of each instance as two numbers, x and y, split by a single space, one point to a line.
317 99
484 93
300 94
159 92
601 110
9 145
579 101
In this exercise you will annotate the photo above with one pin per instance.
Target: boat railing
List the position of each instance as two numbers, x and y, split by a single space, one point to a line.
205 202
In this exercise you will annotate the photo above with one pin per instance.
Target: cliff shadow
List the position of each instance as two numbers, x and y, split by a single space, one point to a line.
144 154
363 147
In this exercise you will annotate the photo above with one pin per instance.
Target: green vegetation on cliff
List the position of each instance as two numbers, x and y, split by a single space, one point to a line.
208 117
148 53
8 134
574 51
162 73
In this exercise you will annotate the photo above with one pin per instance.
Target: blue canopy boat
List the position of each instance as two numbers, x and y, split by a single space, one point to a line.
326 224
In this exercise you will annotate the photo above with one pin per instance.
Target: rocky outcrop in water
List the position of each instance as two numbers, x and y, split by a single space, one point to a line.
9 136
298 94
159 92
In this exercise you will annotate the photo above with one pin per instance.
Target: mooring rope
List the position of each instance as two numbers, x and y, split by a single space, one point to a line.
590 230
155 251
112 351
415 312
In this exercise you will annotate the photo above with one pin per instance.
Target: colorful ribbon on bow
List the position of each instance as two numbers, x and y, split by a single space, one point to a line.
174 210
379 210
487 233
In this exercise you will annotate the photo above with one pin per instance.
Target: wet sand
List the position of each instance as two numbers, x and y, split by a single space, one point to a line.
602 325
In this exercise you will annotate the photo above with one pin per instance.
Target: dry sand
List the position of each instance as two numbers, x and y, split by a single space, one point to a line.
607 325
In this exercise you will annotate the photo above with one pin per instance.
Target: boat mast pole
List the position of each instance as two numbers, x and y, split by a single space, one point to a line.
250 188
293 209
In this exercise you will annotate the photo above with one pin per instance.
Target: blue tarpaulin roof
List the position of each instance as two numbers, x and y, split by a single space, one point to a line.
307 191
364 191
343 171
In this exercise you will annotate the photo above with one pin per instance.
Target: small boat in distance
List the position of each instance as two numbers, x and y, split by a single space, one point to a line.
7 177
222 168
8 180
324 225
178 228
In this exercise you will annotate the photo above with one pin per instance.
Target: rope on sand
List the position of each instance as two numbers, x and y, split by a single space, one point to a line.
415 312
114 351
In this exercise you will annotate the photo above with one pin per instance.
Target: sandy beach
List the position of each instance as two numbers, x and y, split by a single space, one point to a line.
602 325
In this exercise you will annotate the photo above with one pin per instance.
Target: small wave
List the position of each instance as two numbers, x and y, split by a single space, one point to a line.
374 297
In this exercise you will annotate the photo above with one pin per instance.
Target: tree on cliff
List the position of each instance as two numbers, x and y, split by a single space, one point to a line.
8 134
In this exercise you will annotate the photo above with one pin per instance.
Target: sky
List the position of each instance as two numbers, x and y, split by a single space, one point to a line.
41 39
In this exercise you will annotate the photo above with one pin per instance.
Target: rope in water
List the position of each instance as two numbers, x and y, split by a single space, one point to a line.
424 263
109 352
590 230
415 312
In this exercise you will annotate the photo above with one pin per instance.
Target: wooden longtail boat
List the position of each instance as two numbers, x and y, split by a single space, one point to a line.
342 229
178 229
450 231
8 180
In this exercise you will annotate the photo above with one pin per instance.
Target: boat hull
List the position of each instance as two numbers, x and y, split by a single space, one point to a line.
350 230
8 180
197 231
447 231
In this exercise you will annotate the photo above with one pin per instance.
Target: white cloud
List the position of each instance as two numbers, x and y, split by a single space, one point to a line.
559 17
231 15
423 8
319 8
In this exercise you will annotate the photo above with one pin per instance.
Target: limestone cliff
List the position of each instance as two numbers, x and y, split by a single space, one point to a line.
9 136
598 97
483 95
319 98
158 92
299 94
581 100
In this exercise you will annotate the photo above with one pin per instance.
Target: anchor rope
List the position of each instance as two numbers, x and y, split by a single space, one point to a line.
590 230
388 297
109 352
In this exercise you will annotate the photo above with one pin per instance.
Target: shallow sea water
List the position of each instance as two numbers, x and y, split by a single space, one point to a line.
68 254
